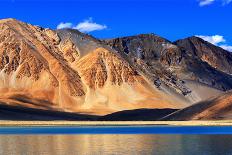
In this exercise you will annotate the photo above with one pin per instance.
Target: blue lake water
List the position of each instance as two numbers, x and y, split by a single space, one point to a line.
120 140
118 130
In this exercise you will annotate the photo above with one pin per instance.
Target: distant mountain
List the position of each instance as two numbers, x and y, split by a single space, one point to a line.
207 52
69 71
167 65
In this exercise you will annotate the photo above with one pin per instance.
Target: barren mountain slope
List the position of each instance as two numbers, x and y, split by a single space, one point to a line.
32 65
218 108
170 66
70 71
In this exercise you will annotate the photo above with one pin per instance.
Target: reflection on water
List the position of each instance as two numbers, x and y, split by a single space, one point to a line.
115 144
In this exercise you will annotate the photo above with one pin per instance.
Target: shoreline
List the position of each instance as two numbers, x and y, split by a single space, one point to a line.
112 123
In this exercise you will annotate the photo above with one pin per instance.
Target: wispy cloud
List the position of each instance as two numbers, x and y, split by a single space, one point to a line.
89 26
206 2
64 25
209 2
217 40
227 47
86 26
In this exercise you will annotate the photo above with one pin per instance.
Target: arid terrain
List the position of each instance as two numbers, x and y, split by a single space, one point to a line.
218 108
68 75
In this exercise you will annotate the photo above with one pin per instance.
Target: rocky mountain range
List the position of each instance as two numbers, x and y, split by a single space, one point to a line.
71 72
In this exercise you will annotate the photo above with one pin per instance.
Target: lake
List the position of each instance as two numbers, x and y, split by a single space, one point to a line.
120 140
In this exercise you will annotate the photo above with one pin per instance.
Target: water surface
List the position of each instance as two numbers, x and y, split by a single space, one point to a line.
120 140
150 129
118 144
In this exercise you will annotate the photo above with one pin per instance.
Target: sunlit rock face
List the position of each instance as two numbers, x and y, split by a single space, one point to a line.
33 65
69 71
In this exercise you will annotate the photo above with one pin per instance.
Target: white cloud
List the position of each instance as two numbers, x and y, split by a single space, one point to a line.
85 26
227 47
89 26
217 40
64 25
206 2
209 2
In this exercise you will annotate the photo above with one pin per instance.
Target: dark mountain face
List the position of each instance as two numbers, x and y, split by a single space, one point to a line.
208 63
172 64
148 47
207 52
138 115
154 56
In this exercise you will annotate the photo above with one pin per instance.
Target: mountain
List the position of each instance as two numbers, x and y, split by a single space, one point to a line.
137 115
69 71
66 70
217 108
169 65
150 54
207 52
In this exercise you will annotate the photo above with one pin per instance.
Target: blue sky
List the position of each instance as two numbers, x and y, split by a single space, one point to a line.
172 19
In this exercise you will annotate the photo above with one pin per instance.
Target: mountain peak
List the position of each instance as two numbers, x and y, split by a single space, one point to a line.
140 36
9 20
195 38
213 55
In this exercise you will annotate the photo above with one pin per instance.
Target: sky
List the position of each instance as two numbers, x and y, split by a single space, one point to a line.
171 19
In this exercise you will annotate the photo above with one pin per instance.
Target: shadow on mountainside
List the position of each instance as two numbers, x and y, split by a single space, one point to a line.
17 113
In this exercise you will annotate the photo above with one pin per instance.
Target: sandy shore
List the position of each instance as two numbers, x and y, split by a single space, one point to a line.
115 123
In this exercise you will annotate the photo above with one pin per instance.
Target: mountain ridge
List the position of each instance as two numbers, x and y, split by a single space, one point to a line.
214 55
66 70
42 64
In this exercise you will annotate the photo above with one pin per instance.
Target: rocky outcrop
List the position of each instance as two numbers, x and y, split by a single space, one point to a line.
101 65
